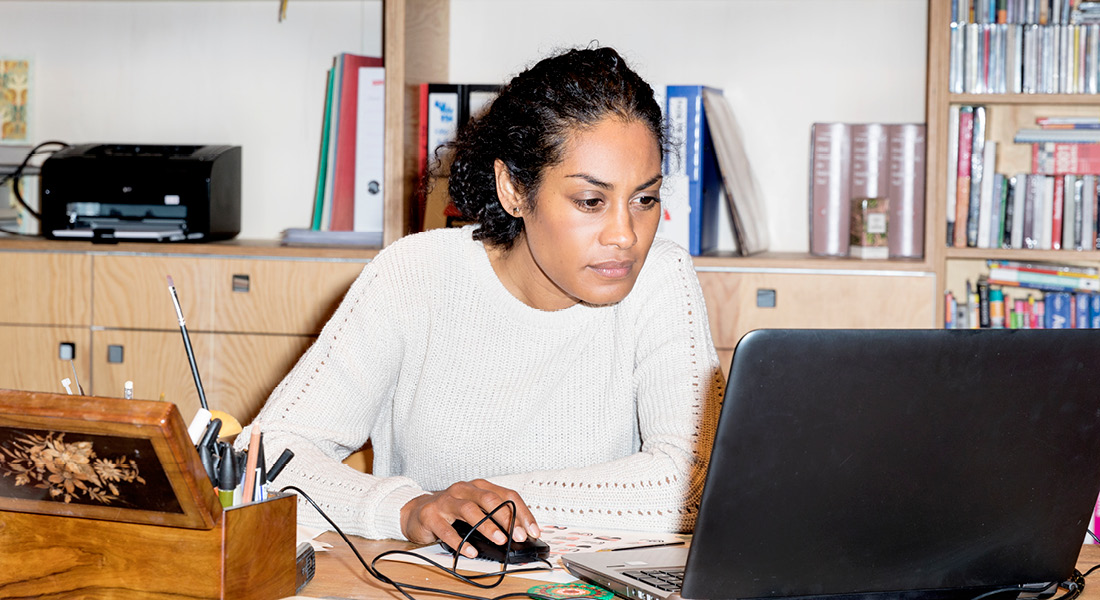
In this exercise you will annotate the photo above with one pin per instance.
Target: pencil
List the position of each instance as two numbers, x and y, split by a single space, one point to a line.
250 469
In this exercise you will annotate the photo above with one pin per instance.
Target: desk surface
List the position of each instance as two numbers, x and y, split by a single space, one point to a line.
340 576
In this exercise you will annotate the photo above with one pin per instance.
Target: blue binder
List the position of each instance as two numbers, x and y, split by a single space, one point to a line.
692 153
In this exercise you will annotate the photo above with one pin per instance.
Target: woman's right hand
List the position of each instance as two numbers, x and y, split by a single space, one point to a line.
426 518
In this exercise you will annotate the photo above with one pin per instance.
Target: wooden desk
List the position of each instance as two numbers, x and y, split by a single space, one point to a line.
340 576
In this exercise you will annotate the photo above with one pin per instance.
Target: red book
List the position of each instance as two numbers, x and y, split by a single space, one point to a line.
343 174
1053 158
962 205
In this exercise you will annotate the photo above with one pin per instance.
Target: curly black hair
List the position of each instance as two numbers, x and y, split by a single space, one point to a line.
528 124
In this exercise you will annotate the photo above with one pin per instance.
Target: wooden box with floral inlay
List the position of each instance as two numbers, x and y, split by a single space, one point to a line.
105 497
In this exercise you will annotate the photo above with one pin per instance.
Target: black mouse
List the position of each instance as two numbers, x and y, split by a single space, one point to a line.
529 550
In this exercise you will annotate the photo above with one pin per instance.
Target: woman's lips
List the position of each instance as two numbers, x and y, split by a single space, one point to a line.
613 269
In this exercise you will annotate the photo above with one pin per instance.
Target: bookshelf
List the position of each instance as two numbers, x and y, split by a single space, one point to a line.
1005 114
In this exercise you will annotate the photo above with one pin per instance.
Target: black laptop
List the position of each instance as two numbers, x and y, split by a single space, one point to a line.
888 463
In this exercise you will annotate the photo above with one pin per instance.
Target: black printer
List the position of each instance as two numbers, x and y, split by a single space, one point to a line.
115 192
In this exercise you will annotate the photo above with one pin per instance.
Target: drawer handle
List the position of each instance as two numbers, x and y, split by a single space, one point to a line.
765 298
241 283
114 353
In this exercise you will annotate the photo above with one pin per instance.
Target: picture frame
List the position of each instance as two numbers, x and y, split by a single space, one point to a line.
101 458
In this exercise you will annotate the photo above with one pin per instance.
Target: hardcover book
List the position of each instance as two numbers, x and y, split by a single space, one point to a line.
830 188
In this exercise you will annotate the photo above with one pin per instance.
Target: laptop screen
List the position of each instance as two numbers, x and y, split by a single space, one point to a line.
877 461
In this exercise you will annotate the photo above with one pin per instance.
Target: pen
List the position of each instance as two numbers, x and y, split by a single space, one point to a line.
261 474
279 464
187 343
207 449
648 546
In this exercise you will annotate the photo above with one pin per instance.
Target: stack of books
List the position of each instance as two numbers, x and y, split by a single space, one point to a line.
854 162
1052 207
1019 295
348 206
708 160
1024 47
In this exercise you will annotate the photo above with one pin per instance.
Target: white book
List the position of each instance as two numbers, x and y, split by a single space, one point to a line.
1071 203
1088 213
1092 63
986 218
370 145
1046 215
971 78
675 221
1019 192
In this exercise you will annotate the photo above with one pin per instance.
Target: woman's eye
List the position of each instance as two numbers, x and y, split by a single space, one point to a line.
649 201
589 203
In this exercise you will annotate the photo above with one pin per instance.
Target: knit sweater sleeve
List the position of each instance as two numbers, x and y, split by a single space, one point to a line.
325 407
678 390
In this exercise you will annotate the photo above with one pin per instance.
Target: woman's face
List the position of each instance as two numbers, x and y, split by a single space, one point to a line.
594 218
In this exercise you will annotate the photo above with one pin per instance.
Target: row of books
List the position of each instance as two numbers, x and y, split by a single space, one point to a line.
1048 209
707 160
850 162
348 205
1040 12
1042 296
1024 59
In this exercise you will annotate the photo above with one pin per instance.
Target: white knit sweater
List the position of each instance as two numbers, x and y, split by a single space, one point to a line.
598 416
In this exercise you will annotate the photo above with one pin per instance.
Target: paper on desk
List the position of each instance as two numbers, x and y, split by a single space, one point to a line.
562 540
307 534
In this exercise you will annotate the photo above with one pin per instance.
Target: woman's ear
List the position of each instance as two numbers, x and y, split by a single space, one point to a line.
509 198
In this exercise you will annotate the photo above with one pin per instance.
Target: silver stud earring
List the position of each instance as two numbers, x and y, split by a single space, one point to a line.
515 211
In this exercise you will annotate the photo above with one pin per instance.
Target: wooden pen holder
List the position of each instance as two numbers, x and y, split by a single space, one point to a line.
107 498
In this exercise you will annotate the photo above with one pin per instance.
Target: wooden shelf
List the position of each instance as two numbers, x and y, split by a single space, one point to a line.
1027 99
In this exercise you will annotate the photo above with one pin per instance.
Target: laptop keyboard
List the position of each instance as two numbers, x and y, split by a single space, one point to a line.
668 580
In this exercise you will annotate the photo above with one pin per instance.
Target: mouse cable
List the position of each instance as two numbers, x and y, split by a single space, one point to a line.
16 175
404 587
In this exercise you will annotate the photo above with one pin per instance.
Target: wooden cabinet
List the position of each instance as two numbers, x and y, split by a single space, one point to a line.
740 299
251 310
1005 114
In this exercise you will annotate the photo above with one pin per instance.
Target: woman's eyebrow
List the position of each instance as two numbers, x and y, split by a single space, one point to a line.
607 186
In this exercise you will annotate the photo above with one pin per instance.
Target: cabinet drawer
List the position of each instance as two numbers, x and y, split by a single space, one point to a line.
45 288
30 358
292 297
238 371
828 299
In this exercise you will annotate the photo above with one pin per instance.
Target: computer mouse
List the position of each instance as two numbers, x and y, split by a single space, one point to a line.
529 550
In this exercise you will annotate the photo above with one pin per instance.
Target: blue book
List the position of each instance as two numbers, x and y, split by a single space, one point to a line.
690 199
1081 318
1094 311
1057 311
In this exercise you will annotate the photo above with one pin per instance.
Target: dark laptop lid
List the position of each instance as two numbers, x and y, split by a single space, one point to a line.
892 460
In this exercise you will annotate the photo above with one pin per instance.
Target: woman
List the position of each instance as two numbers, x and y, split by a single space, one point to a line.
554 354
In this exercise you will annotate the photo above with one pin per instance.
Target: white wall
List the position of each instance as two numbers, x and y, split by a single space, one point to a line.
784 64
227 72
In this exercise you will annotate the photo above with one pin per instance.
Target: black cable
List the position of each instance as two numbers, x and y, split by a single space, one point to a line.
16 175
403 587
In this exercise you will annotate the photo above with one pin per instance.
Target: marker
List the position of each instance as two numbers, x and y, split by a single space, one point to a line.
207 449
227 476
279 464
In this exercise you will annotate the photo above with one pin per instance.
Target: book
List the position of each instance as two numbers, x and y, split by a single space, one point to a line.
1057 311
738 179
692 186
830 187
316 222
370 144
300 236
984 215
905 189
977 163
964 144
952 162
1065 136
870 160
343 174
1043 276
444 109
1054 158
